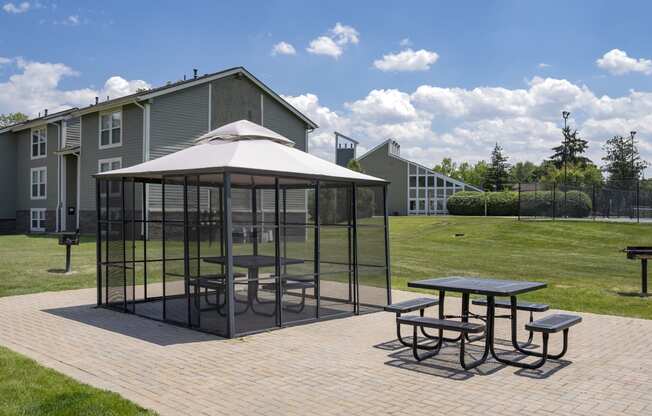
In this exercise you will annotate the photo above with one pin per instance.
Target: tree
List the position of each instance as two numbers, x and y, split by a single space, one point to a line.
497 172
12 118
447 167
354 164
571 149
523 172
622 160
588 174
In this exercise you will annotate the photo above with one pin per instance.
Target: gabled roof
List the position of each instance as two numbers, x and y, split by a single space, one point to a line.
254 160
441 175
37 121
165 89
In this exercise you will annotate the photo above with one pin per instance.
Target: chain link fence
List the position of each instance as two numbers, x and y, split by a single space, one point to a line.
629 200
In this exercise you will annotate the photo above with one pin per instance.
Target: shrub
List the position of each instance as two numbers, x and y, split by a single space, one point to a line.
502 203
466 203
578 203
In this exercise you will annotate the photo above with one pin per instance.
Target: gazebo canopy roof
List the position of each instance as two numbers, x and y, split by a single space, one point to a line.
253 153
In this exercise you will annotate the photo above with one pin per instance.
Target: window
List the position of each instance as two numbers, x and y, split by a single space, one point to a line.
111 129
39 180
39 143
422 181
413 181
37 219
105 165
413 205
422 205
431 181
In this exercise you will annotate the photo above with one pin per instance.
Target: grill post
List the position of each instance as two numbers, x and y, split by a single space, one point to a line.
644 277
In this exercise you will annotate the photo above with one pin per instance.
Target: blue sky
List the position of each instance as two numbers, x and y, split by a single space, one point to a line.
528 60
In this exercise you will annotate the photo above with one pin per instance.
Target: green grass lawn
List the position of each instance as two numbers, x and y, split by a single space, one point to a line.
580 260
27 388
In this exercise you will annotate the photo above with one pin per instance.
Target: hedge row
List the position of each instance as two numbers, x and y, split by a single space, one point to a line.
575 204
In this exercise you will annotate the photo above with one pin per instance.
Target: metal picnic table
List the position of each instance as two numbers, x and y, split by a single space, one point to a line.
491 288
253 262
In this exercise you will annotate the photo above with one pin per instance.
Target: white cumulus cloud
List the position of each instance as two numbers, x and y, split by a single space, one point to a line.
17 8
36 86
335 41
407 60
283 48
617 62
434 121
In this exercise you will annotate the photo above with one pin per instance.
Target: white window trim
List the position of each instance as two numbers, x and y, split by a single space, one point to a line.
99 129
31 137
37 229
31 184
109 161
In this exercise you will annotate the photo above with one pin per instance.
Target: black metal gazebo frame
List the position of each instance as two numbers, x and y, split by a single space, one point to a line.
342 245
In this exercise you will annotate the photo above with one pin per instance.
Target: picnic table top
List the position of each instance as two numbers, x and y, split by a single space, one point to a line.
253 261
478 286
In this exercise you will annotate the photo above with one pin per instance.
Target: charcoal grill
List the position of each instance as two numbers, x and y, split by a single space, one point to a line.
642 253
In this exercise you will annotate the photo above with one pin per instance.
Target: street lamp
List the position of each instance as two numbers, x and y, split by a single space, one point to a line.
565 115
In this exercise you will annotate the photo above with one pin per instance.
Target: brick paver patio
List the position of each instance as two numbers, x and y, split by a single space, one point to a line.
347 366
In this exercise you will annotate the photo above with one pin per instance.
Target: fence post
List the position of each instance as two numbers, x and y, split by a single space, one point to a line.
593 201
519 201
554 199
638 205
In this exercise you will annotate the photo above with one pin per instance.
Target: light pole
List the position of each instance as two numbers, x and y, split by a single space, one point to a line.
631 137
565 115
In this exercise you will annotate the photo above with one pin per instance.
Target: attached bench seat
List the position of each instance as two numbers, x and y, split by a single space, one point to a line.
547 325
553 323
411 305
445 324
421 322
520 305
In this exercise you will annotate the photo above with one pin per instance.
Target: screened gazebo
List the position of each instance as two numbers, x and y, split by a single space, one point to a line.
241 233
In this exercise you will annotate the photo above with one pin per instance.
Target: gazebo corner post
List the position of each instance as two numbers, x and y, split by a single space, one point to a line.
277 254
186 250
98 241
388 269
145 229
254 219
317 255
163 280
228 252
124 244
356 282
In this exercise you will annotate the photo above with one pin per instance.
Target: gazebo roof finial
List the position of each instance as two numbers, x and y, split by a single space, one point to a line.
243 130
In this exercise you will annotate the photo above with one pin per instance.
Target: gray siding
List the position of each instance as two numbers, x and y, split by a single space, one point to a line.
234 99
177 119
73 132
281 120
7 175
380 164
131 150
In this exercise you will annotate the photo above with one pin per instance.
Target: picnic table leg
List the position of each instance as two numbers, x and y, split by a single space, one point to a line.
442 315
543 355
465 318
